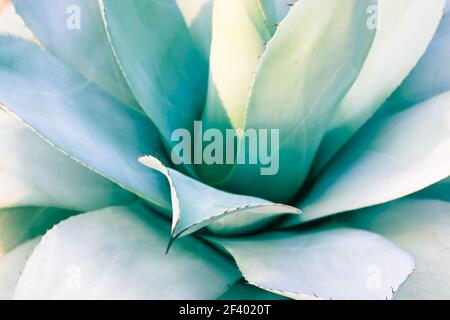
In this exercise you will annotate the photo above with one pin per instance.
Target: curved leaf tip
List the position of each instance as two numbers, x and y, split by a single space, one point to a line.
196 205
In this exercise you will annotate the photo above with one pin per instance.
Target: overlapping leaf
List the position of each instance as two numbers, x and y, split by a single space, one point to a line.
308 66
244 291
80 119
198 17
423 228
162 46
236 50
18 225
404 29
275 11
33 173
118 253
195 205
164 67
327 263
73 31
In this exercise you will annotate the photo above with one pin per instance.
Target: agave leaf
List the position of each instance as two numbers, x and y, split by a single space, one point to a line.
33 173
11 266
236 49
275 11
160 60
430 77
326 263
308 66
195 205
118 253
243 291
406 28
77 117
18 225
12 24
72 29
438 191
422 227
385 161
198 17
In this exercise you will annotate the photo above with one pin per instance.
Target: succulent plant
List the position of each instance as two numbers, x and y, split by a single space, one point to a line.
205 149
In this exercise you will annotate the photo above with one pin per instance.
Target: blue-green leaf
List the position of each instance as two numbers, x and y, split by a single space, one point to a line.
430 77
198 16
18 225
12 24
326 263
80 119
244 291
73 31
405 29
422 227
240 32
33 173
11 266
118 253
196 205
385 161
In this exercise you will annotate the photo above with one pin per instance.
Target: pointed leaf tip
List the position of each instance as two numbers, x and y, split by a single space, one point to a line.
196 205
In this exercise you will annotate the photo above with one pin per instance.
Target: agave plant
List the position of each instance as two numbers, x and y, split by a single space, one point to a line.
117 179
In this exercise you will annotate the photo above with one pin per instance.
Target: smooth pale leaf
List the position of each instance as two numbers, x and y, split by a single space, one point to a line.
73 31
240 32
160 60
33 173
388 160
422 227
406 27
430 77
80 119
198 16
11 266
18 225
324 263
119 254
196 205
307 68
